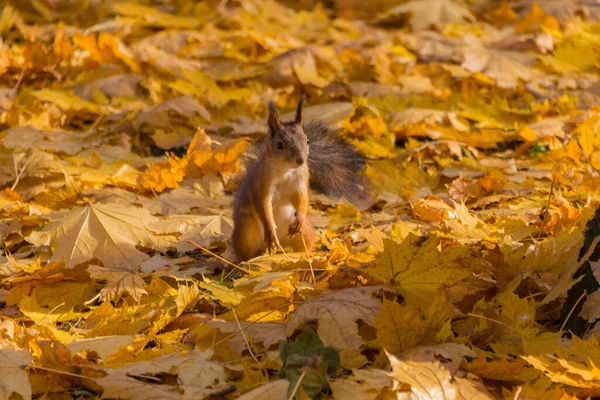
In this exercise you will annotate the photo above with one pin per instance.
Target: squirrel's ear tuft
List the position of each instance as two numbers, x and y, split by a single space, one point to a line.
300 111
273 120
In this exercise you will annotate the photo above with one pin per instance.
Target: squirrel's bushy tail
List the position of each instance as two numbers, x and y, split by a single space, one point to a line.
335 166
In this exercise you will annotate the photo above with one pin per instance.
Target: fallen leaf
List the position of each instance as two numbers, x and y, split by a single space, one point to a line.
97 231
14 378
337 313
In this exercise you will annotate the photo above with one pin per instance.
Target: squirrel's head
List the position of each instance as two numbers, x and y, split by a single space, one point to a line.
287 141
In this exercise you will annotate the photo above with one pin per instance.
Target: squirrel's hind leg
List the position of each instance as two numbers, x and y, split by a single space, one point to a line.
248 238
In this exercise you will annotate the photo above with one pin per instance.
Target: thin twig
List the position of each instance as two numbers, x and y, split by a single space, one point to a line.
87 303
17 172
219 257
250 325
573 309
284 253
493 320
237 321
297 384
309 261
20 80
51 311
60 372
517 392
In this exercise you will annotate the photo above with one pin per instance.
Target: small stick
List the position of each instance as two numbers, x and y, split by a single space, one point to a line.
284 253
253 323
492 320
517 392
298 384
573 309
219 257
309 261
237 321
223 392
60 372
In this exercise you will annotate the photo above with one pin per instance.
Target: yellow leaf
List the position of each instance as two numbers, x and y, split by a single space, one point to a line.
67 101
275 390
103 346
430 380
393 320
224 157
420 270
56 302
537 18
107 232
504 14
164 175
223 294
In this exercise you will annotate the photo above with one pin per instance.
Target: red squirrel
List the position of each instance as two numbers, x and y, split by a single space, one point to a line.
270 208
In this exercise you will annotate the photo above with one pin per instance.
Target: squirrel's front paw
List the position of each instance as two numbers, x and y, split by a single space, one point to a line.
271 242
295 226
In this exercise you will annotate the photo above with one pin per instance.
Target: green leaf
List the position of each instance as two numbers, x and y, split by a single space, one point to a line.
308 352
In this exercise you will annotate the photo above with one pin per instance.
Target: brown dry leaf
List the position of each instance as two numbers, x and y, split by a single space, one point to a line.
14 378
266 333
337 313
118 282
107 232
428 13
121 386
201 229
506 67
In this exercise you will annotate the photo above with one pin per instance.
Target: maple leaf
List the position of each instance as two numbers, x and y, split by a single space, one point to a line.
107 232
267 333
424 14
430 380
200 229
420 270
56 302
14 378
103 346
205 196
337 313
118 282
393 318
507 67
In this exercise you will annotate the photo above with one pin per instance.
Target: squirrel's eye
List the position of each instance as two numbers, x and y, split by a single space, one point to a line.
280 145
307 141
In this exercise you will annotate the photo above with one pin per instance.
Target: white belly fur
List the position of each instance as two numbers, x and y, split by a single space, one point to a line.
283 213
283 209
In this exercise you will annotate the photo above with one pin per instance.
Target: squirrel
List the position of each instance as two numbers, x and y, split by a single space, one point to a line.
270 207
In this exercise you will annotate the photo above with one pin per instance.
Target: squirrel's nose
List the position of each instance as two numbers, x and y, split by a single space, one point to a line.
300 160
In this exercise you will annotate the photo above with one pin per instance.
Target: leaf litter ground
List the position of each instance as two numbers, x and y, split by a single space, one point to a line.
123 124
